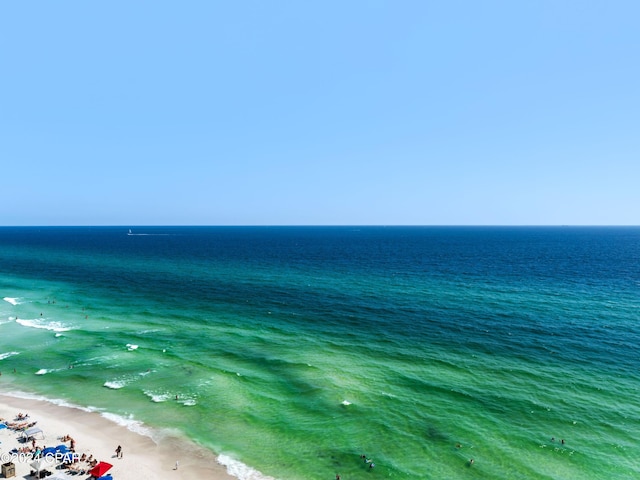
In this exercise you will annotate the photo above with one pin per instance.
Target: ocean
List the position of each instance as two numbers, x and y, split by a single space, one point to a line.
293 352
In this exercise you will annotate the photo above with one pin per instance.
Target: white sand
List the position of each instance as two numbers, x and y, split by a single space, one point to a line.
143 458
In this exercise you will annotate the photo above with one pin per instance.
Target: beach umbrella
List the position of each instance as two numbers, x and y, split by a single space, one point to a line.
49 451
100 469
63 454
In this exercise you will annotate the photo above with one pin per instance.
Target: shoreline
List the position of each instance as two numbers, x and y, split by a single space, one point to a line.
144 456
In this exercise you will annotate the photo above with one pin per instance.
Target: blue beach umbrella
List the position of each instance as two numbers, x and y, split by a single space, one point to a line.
48 451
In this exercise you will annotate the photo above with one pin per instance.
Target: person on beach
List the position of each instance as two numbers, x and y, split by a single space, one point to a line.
119 452
177 463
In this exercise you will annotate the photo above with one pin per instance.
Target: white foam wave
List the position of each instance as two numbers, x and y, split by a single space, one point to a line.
12 301
122 381
240 470
115 384
131 347
187 400
8 354
133 425
44 371
346 402
157 397
54 401
44 324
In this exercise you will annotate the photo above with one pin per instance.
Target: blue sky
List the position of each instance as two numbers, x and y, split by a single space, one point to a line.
320 112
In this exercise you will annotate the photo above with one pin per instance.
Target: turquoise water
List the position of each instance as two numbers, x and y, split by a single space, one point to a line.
296 350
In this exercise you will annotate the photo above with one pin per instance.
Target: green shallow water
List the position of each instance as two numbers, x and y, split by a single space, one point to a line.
296 351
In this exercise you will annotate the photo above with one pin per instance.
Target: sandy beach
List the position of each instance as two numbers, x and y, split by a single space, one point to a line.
93 434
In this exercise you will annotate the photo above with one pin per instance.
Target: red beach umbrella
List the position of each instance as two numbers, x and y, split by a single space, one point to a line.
100 469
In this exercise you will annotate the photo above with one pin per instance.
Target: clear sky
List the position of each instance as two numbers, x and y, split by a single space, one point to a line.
275 112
